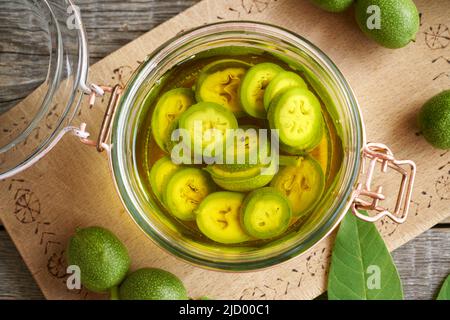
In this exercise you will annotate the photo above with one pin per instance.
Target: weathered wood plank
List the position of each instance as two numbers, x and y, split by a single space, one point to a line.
16 281
24 53
112 24
424 263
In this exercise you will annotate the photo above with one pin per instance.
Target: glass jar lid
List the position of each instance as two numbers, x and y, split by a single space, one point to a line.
43 50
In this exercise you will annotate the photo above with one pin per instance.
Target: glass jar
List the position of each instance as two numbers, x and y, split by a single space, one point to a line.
124 114
327 81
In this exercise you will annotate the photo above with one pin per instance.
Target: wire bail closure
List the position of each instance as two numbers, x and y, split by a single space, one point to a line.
116 93
380 153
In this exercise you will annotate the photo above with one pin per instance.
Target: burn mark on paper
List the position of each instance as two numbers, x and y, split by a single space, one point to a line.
318 262
442 187
251 6
56 264
437 36
442 75
441 59
27 206
28 211
387 227
36 134
263 292
122 74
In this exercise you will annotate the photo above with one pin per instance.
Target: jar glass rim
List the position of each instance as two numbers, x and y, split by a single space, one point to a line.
118 164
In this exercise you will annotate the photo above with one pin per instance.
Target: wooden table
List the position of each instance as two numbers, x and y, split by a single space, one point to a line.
423 263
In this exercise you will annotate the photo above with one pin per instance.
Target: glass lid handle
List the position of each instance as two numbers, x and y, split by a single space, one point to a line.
364 198
100 143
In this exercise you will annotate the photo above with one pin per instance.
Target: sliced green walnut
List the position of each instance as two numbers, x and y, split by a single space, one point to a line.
241 178
167 110
283 81
246 171
297 116
185 191
160 173
247 146
171 143
218 217
265 213
253 86
233 172
207 124
302 184
219 82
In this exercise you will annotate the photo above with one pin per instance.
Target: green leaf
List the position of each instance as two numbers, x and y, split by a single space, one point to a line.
361 265
444 294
